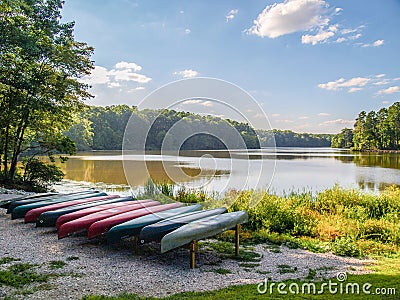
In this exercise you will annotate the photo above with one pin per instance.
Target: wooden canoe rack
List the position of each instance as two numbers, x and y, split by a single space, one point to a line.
193 247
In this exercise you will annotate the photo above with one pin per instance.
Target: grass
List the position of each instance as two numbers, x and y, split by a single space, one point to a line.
21 274
24 279
227 250
221 271
57 264
71 258
6 260
283 269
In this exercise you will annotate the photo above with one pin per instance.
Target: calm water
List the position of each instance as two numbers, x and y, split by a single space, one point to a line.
280 170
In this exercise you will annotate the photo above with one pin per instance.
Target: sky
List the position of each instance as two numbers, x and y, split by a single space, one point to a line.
311 65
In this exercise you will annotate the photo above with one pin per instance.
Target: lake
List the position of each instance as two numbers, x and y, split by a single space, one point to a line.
280 170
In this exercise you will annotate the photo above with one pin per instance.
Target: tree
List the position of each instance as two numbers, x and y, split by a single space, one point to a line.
359 131
40 64
344 139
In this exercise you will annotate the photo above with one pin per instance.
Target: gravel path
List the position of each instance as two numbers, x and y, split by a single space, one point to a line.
96 268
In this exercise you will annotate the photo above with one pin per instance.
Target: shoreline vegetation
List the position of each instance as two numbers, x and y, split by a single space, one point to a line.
345 222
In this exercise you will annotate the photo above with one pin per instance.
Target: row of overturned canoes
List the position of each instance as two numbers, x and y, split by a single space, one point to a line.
173 224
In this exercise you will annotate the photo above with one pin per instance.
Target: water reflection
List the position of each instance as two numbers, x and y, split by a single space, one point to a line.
296 168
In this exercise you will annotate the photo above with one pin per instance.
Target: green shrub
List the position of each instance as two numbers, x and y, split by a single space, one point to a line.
345 247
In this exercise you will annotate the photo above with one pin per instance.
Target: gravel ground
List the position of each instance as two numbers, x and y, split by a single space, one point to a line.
94 267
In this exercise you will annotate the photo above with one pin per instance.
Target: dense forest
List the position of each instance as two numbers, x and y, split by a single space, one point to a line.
288 138
102 128
372 131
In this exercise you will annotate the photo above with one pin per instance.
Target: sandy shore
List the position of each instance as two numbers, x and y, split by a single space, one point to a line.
94 267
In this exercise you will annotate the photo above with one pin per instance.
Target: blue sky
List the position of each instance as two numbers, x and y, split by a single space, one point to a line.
312 65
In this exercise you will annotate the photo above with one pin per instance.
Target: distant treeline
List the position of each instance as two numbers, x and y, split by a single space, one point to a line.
103 128
372 131
287 138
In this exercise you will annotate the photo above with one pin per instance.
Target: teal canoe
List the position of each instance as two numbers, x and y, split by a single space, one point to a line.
20 211
133 227
6 203
21 202
201 229
156 231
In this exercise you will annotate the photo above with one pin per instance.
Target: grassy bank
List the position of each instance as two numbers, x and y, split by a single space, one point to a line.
348 222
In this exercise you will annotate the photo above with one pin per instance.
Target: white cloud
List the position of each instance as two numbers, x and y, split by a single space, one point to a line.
385 102
114 84
337 121
355 37
284 121
124 71
354 89
128 75
290 16
187 31
342 83
99 75
205 103
320 37
323 114
382 82
231 14
188 73
303 118
127 65
340 40
275 115
380 75
390 90
377 43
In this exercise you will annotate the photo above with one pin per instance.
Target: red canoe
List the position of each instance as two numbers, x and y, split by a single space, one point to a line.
100 227
90 210
33 214
83 223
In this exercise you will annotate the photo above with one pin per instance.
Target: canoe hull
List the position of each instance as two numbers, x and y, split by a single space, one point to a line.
49 218
32 215
101 227
201 229
6 203
20 211
157 231
85 222
133 227
17 203
90 210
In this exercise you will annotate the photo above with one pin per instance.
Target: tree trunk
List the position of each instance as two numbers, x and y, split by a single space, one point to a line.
17 150
5 163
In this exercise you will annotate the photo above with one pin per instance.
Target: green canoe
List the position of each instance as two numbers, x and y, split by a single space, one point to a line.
17 203
20 211
133 227
202 229
156 231
6 203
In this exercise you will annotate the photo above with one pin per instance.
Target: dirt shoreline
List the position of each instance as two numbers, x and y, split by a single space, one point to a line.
100 269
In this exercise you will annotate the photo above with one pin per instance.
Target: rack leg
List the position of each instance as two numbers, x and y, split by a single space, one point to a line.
135 244
237 240
193 248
